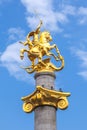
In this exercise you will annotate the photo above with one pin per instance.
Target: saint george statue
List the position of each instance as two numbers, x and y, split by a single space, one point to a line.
39 47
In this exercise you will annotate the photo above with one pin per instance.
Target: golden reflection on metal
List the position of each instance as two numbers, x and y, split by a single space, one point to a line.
45 97
39 46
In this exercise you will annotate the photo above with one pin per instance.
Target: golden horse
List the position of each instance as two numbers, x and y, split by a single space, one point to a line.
40 48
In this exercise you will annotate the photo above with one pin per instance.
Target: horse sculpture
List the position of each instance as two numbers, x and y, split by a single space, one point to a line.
40 48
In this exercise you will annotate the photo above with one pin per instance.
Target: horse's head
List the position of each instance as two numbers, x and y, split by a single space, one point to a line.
45 37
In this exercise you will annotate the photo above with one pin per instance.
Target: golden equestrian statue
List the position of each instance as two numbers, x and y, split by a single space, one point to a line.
39 47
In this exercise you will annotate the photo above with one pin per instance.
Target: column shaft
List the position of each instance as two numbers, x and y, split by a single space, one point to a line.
45 116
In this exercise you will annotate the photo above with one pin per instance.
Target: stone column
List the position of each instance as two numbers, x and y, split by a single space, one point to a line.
45 116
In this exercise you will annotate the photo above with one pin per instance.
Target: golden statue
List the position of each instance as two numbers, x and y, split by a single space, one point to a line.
39 53
38 47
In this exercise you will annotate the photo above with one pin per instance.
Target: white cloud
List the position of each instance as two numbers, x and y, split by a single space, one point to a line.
15 34
52 18
82 12
69 9
67 35
40 5
83 74
11 61
82 56
46 13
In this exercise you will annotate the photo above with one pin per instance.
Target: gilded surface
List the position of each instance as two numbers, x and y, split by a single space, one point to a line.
43 97
39 47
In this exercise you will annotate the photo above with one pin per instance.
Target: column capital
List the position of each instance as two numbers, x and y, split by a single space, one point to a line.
45 97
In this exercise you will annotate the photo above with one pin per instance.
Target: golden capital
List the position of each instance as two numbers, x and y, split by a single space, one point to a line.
45 97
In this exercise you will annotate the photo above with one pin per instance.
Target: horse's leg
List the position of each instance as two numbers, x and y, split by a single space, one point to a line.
33 63
40 57
51 54
54 46
32 59
57 50
22 53
46 51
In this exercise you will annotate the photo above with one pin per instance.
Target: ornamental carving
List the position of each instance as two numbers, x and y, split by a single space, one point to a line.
45 97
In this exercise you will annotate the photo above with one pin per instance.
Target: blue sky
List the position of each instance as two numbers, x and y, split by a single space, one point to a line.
67 22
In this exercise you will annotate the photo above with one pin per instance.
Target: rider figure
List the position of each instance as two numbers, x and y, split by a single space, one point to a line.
34 34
